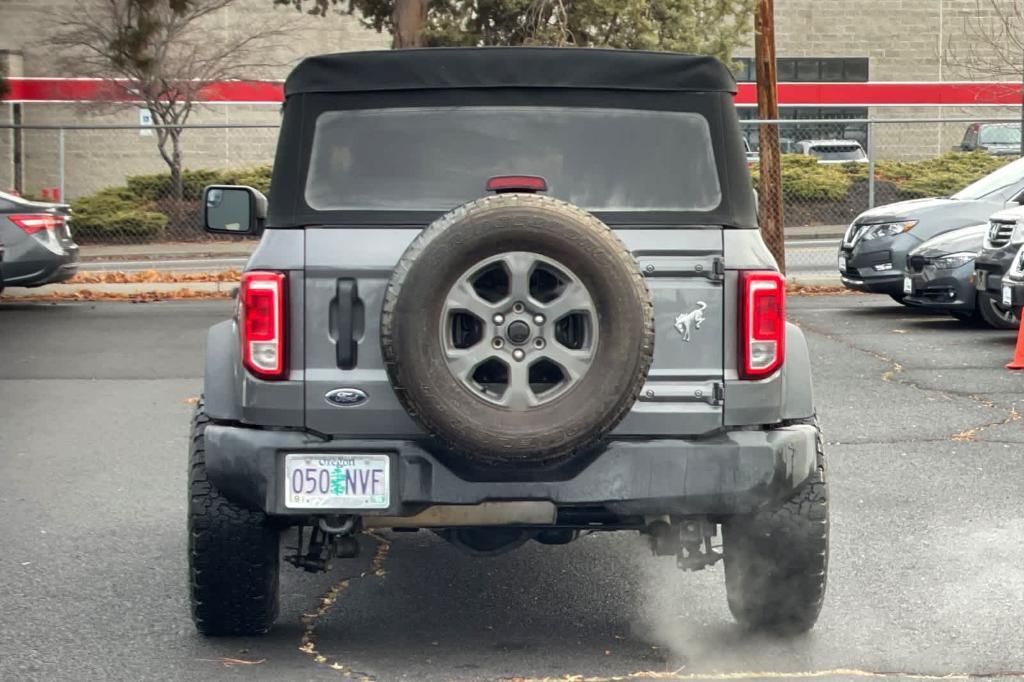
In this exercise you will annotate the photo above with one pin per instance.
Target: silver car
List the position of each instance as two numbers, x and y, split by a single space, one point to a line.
37 240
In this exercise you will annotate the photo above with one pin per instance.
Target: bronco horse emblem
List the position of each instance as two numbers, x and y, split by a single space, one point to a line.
687 322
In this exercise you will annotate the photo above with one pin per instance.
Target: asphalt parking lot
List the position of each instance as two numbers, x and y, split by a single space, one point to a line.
927 574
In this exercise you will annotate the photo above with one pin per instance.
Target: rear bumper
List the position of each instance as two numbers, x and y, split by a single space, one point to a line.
732 473
37 266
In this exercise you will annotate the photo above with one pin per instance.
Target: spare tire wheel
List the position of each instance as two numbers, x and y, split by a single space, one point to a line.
517 328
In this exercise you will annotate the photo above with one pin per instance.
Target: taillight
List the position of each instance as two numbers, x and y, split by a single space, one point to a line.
517 183
262 321
763 326
30 223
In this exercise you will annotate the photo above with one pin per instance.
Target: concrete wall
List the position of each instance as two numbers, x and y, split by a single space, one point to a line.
100 158
903 40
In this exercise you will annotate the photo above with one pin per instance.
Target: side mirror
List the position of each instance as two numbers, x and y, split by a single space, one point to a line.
231 209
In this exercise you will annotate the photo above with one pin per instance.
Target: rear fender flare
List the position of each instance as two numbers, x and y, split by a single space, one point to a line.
221 384
797 391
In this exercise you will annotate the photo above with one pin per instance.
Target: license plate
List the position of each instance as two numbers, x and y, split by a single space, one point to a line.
908 285
1007 296
979 281
842 263
337 481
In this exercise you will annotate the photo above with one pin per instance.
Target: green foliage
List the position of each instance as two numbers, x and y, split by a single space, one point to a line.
940 176
257 177
146 208
159 185
804 179
712 27
115 213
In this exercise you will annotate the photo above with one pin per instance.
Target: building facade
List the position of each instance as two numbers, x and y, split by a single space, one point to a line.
818 41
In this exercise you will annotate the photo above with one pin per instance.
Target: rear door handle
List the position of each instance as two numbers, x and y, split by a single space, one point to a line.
346 346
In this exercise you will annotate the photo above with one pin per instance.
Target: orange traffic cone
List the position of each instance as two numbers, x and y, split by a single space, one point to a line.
1018 352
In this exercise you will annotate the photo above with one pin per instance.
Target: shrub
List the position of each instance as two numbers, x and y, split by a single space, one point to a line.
804 179
257 177
115 214
159 185
940 176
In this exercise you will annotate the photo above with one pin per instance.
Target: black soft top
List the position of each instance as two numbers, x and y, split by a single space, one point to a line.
508 67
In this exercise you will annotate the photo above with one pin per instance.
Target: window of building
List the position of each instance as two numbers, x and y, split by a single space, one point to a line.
808 70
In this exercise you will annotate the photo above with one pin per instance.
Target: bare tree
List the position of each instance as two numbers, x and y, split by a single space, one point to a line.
991 45
162 53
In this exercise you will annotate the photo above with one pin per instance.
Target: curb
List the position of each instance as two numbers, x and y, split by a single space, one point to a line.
133 289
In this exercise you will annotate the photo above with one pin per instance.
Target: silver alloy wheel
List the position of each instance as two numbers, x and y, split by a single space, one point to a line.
518 329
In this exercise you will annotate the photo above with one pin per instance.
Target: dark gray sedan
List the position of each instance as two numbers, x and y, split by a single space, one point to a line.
37 241
873 252
940 276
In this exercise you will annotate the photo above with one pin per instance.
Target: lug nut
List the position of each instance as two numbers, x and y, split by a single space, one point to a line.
499 318
518 307
518 354
538 343
538 319
497 342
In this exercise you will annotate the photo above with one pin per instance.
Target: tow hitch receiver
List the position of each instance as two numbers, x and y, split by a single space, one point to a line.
689 539
330 537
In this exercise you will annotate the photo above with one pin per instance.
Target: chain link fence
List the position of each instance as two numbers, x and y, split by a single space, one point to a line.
832 170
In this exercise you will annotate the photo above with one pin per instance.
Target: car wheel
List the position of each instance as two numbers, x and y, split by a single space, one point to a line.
517 328
995 315
233 554
776 561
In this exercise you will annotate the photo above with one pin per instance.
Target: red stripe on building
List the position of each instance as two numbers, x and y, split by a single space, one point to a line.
94 90
881 94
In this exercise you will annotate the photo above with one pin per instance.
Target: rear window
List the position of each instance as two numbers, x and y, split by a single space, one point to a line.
1001 134
838 152
439 158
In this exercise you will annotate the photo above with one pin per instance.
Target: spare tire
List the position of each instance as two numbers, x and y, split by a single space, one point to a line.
517 328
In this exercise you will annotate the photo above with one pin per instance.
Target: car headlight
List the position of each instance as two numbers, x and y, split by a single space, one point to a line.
953 260
888 229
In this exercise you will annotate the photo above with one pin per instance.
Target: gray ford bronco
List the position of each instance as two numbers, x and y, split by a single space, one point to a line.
506 295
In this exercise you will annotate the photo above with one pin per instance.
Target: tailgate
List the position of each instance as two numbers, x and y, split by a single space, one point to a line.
347 270
685 273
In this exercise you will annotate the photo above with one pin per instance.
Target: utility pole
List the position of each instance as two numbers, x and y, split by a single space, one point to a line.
770 189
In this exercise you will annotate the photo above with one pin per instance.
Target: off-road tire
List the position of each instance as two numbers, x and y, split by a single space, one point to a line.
233 554
992 313
468 427
776 561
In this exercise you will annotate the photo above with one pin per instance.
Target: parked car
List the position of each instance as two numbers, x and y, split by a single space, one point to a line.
1003 240
461 337
940 274
998 139
873 253
1012 285
38 243
833 151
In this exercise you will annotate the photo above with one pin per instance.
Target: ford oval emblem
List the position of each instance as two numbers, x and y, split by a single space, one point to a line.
346 397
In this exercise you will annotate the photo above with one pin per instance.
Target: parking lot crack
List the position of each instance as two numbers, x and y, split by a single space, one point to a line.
327 602
894 374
